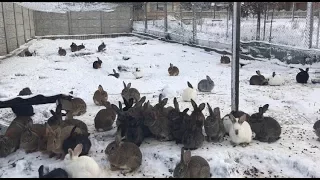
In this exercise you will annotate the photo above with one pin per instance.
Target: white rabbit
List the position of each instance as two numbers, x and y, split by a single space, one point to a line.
240 132
168 92
189 93
275 80
138 73
81 167
227 123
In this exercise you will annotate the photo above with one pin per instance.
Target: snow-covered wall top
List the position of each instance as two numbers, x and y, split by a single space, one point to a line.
62 7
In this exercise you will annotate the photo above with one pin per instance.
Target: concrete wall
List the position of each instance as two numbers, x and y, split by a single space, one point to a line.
92 22
16 26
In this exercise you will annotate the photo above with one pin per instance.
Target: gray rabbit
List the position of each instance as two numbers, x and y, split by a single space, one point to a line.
105 118
267 129
258 79
206 85
191 166
316 128
129 92
213 125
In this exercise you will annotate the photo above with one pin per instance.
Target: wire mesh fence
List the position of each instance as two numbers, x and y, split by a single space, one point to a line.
210 24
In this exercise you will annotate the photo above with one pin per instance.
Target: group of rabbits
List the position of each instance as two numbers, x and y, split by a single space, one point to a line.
277 80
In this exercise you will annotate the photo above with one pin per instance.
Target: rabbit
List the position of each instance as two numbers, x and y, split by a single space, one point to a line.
124 156
267 129
97 64
189 93
81 166
105 118
28 53
81 47
173 70
101 47
197 115
57 136
138 74
7 145
75 139
224 59
122 68
73 47
192 138
316 128
206 85
23 110
240 131
227 122
56 173
168 92
13 134
213 125
129 92
33 139
76 106
100 96
302 76
62 52
191 167
25 92
115 74
258 79
275 80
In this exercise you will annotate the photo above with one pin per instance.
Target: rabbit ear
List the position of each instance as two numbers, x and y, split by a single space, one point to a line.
185 110
307 69
40 171
171 65
115 108
208 78
216 112
301 70
202 106
210 109
100 88
77 150
129 85
124 85
273 74
187 157
176 105
70 153
140 102
120 106
265 108
160 98
258 72
232 118
194 105
242 118
189 85
114 71
52 112
164 102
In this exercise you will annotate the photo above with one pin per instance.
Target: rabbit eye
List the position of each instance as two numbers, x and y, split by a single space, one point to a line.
54 141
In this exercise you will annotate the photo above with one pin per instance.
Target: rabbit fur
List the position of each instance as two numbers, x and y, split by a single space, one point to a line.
189 93
62 52
258 79
56 173
206 85
100 96
81 167
128 92
105 118
213 125
173 70
303 76
240 131
275 80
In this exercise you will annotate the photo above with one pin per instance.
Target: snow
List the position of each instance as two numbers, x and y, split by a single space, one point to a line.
295 106
284 31
62 7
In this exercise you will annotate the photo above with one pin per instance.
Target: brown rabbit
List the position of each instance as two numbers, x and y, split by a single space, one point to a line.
191 166
173 70
77 106
56 138
123 155
105 118
11 139
100 96
33 138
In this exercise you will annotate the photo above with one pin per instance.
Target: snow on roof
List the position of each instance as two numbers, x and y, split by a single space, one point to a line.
62 7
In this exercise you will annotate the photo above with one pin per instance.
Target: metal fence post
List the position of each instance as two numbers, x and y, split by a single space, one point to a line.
4 28
69 22
318 29
194 24
293 7
24 31
235 57
227 23
165 18
180 14
145 17
271 24
30 23
265 22
309 26
101 22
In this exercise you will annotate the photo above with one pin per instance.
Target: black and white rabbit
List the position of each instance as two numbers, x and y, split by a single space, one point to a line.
56 173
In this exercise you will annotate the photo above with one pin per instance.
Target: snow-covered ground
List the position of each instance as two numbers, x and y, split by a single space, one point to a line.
284 31
62 7
295 106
